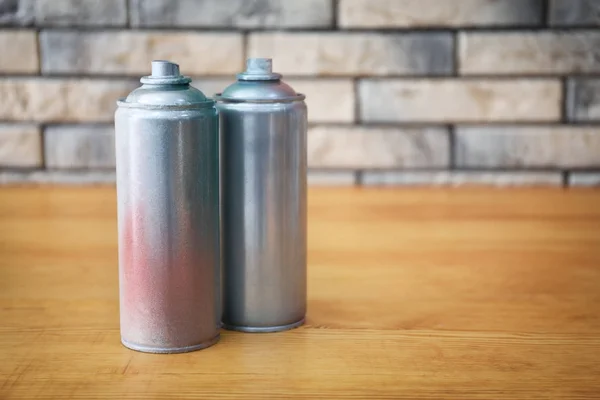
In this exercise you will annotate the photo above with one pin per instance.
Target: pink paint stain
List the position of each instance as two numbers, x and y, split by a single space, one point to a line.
137 295
166 305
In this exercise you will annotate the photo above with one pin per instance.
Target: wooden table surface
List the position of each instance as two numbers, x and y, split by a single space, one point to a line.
413 293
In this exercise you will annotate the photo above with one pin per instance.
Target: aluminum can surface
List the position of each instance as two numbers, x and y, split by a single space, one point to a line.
263 148
167 149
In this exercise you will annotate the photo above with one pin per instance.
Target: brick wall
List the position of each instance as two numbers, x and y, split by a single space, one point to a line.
502 92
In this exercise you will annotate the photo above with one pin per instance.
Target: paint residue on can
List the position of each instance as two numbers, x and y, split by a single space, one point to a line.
167 144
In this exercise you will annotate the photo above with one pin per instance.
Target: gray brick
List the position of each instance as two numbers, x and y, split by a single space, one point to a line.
131 52
331 178
584 179
61 100
80 12
583 99
514 147
328 100
17 12
63 12
79 146
574 13
450 100
232 13
58 177
462 178
355 53
19 52
428 13
20 146
361 147
529 52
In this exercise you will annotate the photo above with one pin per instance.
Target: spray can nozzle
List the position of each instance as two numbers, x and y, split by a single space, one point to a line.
162 68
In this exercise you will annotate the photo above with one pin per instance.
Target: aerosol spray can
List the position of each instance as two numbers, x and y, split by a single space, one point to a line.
167 146
263 138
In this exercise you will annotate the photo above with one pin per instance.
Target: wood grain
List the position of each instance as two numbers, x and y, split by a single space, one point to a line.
420 293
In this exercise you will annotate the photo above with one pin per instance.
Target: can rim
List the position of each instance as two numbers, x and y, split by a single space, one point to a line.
298 97
205 104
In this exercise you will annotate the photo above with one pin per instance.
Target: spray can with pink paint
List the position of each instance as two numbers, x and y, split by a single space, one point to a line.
167 146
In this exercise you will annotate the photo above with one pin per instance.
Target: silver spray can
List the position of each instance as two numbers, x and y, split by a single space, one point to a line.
167 146
263 138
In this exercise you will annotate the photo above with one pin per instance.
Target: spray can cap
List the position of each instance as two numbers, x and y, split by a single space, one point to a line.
259 69
259 84
165 87
162 68
165 73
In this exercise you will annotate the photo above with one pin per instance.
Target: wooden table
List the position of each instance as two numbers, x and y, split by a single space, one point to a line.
414 293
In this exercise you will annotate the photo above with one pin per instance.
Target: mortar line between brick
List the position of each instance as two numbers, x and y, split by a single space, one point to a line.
43 165
128 14
38 48
452 147
82 169
445 123
455 54
469 78
83 124
508 169
545 17
504 170
21 169
334 14
356 93
432 29
366 125
359 173
405 77
245 52
359 178
331 169
471 170
564 106
308 29
565 179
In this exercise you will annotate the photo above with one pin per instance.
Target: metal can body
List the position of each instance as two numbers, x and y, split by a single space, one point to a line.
264 213
168 220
